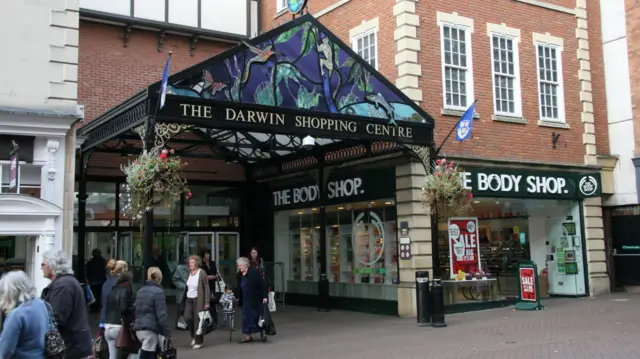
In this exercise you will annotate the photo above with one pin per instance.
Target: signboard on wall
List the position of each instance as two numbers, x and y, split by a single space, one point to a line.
342 187
495 182
464 248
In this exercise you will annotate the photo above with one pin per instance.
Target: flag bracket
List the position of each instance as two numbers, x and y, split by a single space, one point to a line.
125 35
192 45
161 36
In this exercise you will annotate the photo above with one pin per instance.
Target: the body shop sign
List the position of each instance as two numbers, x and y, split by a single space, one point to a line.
490 182
341 188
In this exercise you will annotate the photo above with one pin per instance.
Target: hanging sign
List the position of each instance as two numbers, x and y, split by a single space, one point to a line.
464 249
529 295
14 163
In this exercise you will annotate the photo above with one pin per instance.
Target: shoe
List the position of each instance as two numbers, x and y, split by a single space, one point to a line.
197 346
263 338
243 341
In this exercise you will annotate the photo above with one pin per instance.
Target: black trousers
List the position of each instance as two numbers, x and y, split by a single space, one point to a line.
96 289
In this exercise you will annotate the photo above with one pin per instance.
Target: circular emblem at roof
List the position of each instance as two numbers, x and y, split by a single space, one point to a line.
295 6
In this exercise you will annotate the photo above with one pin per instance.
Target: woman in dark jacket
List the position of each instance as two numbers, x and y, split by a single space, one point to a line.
152 322
118 309
258 263
254 295
112 278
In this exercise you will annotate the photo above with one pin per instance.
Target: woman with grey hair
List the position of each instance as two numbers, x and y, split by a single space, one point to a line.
27 319
68 303
254 294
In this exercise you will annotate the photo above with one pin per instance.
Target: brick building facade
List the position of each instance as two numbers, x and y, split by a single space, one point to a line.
519 133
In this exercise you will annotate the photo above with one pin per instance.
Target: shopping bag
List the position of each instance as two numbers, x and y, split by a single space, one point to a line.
167 351
272 301
206 325
100 345
266 322
127 341
182 324
88 294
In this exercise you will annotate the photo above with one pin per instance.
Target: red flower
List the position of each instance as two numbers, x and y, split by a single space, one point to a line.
164 152
438 162
470 196
163 155
451 165
437 174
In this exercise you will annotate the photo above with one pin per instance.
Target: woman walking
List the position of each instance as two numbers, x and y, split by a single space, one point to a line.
151 319
179 280
258 263
254 294
27 320
112 277
197 298
118 309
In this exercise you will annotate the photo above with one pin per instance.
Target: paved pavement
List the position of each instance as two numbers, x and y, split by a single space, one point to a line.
606 327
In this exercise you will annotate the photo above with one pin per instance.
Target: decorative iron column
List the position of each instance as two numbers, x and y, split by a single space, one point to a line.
147 244
82 216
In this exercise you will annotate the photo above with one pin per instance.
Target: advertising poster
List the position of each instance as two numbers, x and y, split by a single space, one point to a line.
464 249
527 284
13 172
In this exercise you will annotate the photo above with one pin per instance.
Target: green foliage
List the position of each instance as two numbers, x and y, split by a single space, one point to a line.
287 35
347 100
307 100
287 72
264 95
308 39
444 190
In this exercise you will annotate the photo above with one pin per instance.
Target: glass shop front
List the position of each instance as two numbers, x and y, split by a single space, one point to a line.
516 217
361 242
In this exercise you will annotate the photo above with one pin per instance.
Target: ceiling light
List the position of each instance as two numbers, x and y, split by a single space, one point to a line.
476 201
340 208
314 209
497 202
387 203
301 212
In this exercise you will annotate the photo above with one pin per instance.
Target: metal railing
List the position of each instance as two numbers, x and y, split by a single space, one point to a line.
275 276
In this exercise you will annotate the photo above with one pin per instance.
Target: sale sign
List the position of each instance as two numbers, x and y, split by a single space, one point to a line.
528 284
464 249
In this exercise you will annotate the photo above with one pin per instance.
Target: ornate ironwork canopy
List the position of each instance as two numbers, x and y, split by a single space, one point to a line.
256 102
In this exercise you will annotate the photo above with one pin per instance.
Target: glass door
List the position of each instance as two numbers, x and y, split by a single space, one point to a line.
124 248
227 247
200 242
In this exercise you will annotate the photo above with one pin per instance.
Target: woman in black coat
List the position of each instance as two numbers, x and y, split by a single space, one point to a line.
254 295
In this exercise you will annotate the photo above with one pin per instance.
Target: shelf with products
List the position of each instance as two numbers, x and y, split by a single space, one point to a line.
310 251
339 253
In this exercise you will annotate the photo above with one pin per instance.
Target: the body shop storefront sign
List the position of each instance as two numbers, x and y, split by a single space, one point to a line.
491 182
341 188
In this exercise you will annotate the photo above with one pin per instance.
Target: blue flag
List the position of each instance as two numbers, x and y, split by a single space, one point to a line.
465 124
165 78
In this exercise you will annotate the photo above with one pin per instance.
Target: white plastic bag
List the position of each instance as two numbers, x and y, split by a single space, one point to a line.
204 315
182 324
272 301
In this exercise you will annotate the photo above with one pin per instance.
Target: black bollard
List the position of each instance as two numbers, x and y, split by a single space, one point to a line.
423 309
323 293
437 301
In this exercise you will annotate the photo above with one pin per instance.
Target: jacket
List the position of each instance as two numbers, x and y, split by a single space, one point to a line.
211 268
150 309
96 270
255 288
69 306
204 294
106 289
179 280
119 302
24 331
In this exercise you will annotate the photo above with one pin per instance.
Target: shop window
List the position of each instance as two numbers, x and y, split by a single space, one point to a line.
29 180
212 207
101 204
510 232
361 248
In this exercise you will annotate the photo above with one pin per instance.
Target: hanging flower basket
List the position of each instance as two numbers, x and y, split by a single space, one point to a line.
444 190
157 172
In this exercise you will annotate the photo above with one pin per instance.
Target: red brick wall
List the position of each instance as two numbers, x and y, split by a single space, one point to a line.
633 44
491 139
597 77
108 72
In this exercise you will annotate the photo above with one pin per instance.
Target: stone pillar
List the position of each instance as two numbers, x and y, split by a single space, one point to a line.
69 191
592 208
408 47
409 182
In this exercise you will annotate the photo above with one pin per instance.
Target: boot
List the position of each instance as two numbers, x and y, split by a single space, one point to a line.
263 338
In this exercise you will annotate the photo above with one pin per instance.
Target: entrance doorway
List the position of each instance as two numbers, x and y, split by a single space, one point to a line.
224 248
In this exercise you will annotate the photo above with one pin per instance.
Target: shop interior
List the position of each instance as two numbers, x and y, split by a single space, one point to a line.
362 259
511 231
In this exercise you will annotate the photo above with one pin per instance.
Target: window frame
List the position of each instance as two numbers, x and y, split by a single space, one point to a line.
560 92
517 89
354 44
470 97
281 5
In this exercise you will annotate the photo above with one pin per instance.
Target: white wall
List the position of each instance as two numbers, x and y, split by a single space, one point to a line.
619 111
281 242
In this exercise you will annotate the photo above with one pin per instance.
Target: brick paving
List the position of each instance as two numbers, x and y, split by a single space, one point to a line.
585 328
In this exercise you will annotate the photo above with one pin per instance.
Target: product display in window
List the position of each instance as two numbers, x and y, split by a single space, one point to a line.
305 248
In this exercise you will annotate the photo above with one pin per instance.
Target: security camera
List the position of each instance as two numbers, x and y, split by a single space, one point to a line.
308 142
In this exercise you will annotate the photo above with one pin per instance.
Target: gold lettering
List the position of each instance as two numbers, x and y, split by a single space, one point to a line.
409 132
231 115
279 119
184 108
207 112
298 122
195 110
241 117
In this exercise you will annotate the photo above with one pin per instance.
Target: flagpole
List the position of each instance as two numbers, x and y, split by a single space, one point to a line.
450 132
157 107
152 119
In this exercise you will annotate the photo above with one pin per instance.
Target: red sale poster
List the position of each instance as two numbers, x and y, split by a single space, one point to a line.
527 284
464 249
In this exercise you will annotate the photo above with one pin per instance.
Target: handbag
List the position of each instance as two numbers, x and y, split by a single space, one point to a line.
182 323
100 344
167 351
217 290
54 346
127 340
266 322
